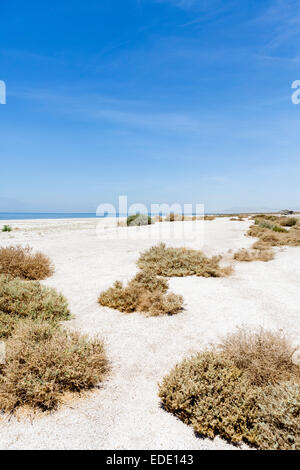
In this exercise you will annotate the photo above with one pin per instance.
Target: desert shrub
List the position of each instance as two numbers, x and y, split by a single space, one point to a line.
218 397
43 363
260 245
144 293
209 217
155 303
254 255
21 299
209 392
277 424
139 219
266 356
6 228
278 228
275 235
149 281
21 262
288 221
180 262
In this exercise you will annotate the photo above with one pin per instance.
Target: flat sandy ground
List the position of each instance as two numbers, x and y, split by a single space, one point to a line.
125 412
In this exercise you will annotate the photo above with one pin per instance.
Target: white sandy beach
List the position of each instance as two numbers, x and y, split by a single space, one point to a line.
125 412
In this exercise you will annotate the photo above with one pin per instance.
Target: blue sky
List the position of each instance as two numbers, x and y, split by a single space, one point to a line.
162 100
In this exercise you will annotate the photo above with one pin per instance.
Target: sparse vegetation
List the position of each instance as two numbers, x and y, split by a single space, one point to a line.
21 299
247 390
21 262
145 293
139 219
43 363
209 217
270 230
254 255
180 262
288 221
6 228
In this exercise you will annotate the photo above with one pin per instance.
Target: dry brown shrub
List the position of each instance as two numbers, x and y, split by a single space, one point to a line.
155 303
144 293
260 245
43 363
21 262
275 238
209 217
266 356
177 217
180 262
174 217
21 299
232 394
253 255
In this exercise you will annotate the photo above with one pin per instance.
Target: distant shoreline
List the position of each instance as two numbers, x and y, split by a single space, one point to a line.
91 215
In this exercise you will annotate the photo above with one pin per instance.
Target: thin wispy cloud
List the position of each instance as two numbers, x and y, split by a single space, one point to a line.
282 21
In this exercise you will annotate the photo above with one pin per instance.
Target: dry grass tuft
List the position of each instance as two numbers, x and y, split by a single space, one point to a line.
233 394
43 363
20 262
144 293
209 217
181 262
266 356
21 299
254 255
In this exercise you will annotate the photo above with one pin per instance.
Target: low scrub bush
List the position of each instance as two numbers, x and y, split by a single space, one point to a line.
6 228
209 217
275 235
21 299
21 262
144 293
139 219
278 228
253 255
288 221
217 392
180 262
266 356
43 363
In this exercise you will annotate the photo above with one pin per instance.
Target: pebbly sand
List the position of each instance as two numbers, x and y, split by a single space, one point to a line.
125 412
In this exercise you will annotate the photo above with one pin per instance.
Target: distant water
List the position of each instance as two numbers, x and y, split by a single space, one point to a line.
47 215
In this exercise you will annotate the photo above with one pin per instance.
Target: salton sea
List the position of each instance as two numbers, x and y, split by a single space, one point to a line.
46 215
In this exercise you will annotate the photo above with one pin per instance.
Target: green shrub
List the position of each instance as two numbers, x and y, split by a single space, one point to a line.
28 299
279 229
43 363
231 392
209 392
6 228
139 219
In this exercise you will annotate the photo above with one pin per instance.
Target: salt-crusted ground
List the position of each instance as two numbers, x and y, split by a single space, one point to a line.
125 412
